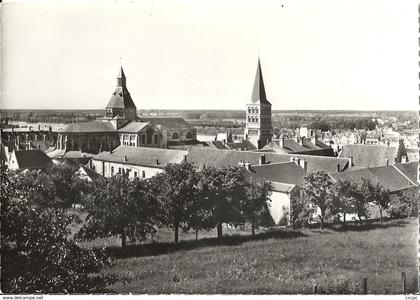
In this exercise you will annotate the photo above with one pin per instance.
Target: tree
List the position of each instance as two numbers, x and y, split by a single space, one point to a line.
224 188
359 202
301 210
178 185
317 189
57 187
342 198
404 204
37 254
254 205
375 193
121 207
402 152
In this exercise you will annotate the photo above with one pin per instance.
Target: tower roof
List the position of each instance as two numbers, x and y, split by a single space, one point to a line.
121 96
258 93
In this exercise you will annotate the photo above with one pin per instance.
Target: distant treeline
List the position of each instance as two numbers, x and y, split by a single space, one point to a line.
316 119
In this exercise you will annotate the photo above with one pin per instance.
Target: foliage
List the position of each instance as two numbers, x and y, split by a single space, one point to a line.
58 187
401 152
254 205
405 204
301 210
178 186
375 193
342 199
121 207
37 254
359 202
224 188
318 191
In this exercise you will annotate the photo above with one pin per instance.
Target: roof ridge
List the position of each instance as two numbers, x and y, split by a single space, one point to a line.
404 175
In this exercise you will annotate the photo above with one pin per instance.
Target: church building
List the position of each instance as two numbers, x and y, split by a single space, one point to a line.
122 126
258 128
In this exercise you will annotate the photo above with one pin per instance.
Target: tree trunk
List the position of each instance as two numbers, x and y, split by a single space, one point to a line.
344 219
380 214
253 226
322 222
196 234
219 230
123 241
176 233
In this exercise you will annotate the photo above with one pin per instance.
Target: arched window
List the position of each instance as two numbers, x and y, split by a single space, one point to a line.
253 120
252 110
256 110
249 110
256 119
175 135
189 135
249 119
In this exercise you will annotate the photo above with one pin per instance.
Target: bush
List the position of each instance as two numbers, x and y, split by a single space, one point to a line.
404 205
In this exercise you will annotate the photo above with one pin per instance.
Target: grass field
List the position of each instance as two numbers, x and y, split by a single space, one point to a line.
275 262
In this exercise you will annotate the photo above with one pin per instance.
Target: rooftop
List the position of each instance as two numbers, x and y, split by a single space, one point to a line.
142 156
32 159
85 127
133 127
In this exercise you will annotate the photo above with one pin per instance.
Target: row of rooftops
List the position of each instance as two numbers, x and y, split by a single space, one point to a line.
284 170
131 127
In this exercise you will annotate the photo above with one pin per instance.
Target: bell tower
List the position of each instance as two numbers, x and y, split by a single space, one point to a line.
258 128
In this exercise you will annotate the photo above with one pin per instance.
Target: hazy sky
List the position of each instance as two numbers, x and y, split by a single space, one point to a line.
203 54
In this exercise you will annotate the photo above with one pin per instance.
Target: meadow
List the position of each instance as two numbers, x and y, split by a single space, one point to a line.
278 261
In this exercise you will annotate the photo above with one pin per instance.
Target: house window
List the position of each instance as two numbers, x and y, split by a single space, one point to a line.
119 170
256 119
112 171
249 119
256 110
189 135
143 174
155 139
135 174
249 110
175 135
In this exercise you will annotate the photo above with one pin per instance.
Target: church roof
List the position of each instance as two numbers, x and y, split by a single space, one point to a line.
133 127
86 127
258 92
121 96
167 122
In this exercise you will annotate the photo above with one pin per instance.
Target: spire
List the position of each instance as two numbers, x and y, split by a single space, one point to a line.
121 78
258 93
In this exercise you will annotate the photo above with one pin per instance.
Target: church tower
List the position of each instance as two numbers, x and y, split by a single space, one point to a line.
258 114
121 108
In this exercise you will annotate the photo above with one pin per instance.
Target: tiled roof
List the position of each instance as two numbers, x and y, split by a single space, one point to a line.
86 127
89 172
40 145
167 122
77 154
133 127
142 156
57 153
121 98
387 176
370 155
219 158
409 169
32 159
292 146
287 172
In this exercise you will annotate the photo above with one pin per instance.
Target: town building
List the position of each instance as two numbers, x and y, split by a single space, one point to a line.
258 114
135 162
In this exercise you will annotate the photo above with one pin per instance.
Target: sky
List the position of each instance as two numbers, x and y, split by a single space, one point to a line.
202 54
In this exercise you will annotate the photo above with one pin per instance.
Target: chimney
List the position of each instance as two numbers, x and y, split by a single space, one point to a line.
248 166
44 137
157 161
125 158
298 161
338 168
39 127
262 159
313 139
404 159
351 164
301 141
185 158
305 165
281 142
387 161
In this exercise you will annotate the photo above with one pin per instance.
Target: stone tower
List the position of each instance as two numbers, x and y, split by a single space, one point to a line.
121 108
258 128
